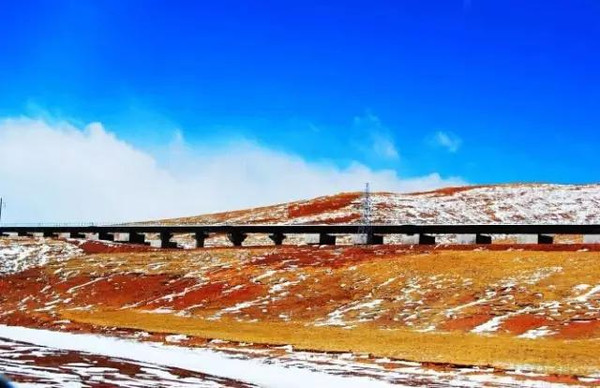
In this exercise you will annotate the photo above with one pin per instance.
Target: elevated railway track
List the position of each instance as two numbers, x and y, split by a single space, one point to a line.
421 233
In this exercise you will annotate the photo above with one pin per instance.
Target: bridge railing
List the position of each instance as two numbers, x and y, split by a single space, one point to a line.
142 224
59 224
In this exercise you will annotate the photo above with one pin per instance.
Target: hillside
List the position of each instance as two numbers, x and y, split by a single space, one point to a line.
519 313
520 203
498 315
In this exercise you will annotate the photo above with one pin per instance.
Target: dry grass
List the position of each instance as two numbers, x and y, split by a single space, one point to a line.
381 298
543 355
424 286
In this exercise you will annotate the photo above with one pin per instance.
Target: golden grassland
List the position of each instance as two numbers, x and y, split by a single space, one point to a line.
428 282
415 290
444 278
482 267
542 355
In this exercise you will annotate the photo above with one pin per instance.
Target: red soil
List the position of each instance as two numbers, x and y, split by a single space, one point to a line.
521 323
506 247
248 292
237 214
341 220
121 289
321 205
559 379
117 290
206 294
447 191
580 330
325 257
466 323
91 246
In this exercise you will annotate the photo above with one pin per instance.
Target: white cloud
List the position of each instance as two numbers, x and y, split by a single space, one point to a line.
447 140
384 146
60 173
381 142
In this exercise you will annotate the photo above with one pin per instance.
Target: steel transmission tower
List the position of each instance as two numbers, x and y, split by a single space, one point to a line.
365 231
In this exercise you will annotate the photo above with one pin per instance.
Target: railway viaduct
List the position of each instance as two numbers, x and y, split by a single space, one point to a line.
420 234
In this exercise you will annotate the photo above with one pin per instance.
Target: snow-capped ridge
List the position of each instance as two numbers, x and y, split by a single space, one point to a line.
514 203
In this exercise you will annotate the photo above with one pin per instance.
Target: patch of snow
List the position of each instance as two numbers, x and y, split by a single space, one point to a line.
176 338
542 331
18 254
587 295
160 310
199 360
73 289
581 287
493 324
336 317
267 274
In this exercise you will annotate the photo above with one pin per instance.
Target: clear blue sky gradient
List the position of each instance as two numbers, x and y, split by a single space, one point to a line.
518 81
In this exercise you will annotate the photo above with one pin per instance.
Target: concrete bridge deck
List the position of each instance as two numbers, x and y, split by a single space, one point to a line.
424 233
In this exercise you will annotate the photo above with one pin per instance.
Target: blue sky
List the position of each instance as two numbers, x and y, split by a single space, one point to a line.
486 90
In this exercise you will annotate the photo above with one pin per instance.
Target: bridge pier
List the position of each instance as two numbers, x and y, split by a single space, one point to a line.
426 239
136 238
237 238
483 239
326 239
375 239
200 238
277 238
106 236
165 240
319 234
545 239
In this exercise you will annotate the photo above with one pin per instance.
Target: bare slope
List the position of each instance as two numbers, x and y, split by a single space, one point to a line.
471 204
535 308
510 309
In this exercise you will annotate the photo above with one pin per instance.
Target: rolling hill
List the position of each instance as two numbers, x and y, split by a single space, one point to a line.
530 313
515 203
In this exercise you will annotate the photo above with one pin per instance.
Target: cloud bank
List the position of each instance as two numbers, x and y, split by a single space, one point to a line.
56 172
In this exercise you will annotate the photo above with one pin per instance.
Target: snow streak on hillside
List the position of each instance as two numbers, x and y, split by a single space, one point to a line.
534 203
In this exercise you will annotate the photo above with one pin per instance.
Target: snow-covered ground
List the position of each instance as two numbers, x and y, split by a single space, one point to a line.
494 204
37 366
18 254
48 358
502 204
519 203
